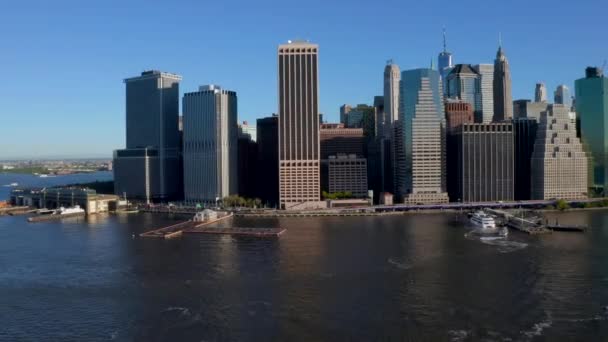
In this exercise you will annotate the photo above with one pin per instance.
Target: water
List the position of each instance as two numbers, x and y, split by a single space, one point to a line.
25 180
411 277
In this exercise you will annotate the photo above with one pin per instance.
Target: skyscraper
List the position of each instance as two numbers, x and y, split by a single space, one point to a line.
525 136
421 174
148 169
592 112
268 160
559 164
210 144
392 77
562 95
485 162
503 102
540 93
486 84
463 84
444 63
298 123
344 110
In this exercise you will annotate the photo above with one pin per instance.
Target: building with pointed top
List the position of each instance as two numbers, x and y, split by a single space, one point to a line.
444 62
463 84
503 101
392 76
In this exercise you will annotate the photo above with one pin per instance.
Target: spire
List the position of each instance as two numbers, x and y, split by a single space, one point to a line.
444 44
432 64
499 40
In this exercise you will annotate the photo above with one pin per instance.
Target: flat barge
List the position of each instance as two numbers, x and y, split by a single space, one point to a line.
237 231
53 217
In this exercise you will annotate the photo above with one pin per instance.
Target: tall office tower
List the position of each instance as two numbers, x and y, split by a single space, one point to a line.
423 130
562 95
525 135
148 169
298 124
344 110
503 105
210 144
528 109
392 77
559 164
486 83
485 162
457 113
268 160
463 84
592 113
247 162
444 63
379 115
540 93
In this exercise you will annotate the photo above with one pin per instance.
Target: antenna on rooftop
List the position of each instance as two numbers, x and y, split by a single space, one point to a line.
444 43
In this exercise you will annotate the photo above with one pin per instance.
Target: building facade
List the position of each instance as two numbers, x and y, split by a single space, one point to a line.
540 92
348 173
210 144
526 109
392 77
592 114
298 123
558 164
152 134
268 160
524 130
503 101
344 110
463 84
486 84
562 95
457 113
422 175
485 163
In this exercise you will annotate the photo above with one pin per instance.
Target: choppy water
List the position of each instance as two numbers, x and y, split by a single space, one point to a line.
412 277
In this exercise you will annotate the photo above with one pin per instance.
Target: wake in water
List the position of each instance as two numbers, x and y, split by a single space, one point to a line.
502 242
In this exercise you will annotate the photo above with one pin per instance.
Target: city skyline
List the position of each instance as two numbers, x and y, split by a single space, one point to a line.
101 55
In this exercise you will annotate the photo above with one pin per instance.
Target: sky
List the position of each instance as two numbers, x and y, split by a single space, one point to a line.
64 62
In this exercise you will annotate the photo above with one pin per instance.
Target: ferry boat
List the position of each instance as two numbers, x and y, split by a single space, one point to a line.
69 211
483 220
12 185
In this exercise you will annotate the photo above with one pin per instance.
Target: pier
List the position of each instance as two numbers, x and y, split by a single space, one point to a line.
521 224
567 228
177 229
15 210
252 232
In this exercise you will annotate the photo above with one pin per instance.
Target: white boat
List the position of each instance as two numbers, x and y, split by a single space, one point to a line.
504 232
483 220
68 211
43 175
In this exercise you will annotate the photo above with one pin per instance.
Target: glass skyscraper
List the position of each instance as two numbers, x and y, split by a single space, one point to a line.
562 96
592 112
463 83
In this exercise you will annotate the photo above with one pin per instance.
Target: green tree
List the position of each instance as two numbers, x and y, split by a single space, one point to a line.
562 205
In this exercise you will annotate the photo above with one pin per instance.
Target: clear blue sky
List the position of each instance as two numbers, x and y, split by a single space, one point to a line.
63 61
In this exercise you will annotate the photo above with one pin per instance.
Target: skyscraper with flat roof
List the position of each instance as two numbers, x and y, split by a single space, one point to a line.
421 174
268 160
148 169
298 123
562 95
503 101
486 85
558 164
540 93
210 144
592 113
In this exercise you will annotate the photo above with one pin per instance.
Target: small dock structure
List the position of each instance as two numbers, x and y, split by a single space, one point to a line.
519 223
54 217
568 228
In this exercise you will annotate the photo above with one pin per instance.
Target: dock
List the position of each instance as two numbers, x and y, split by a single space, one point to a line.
15 210
568 228
521 224
177 229
43 218
237 231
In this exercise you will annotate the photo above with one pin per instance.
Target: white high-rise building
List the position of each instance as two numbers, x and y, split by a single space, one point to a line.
558 164
210 144
392 76
486 76
540 93
420 175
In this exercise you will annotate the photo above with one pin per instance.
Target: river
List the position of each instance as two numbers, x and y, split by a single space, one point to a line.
28 180
392 278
